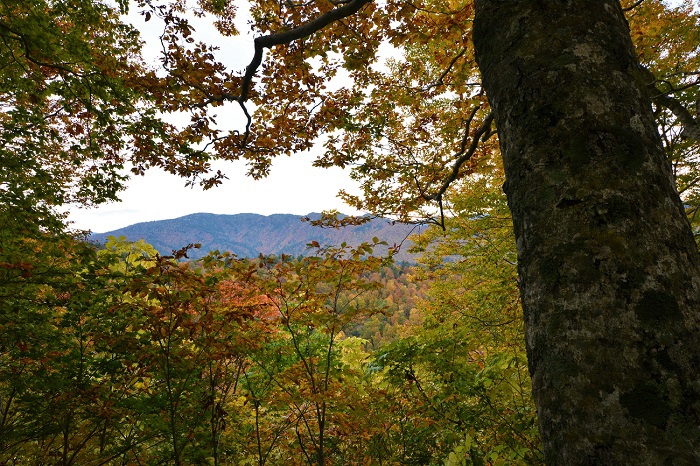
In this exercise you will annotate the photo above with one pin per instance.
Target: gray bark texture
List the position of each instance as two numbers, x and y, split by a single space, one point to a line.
610 274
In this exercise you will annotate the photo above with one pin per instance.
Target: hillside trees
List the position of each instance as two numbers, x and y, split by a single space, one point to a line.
124 356
68 378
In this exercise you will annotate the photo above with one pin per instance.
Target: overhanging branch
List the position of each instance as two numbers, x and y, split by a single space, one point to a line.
299 32
690 124
285 37
463 156
633 6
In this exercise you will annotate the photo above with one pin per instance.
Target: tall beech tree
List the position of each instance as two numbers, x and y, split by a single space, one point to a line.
609 271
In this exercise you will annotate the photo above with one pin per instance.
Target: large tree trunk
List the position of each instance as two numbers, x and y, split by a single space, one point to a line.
610 274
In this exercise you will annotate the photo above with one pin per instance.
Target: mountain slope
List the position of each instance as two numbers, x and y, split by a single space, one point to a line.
248 235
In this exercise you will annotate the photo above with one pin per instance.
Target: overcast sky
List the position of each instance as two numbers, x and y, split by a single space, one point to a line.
293 187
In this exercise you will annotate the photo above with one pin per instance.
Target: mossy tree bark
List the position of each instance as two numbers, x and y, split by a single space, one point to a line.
610 274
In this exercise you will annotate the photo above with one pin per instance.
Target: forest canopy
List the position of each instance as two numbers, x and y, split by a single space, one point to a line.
118 355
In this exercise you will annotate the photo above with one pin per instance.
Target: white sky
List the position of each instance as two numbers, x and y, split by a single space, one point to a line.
294 186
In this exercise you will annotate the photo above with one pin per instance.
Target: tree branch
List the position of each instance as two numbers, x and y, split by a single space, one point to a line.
633 6
463 155
348 8
441 80
691 125
285 37
28 55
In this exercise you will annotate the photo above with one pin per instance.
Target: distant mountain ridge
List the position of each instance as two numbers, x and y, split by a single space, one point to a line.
248 235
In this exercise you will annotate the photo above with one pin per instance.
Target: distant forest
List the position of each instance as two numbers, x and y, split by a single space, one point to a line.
118 355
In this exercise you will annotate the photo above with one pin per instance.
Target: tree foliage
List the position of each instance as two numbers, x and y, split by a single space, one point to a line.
406 120
462 368
395 86
122 356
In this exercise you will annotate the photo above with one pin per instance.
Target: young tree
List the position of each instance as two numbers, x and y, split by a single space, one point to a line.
463 365
298 384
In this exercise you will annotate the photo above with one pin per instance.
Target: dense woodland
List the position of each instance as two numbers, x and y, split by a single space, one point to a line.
117 355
